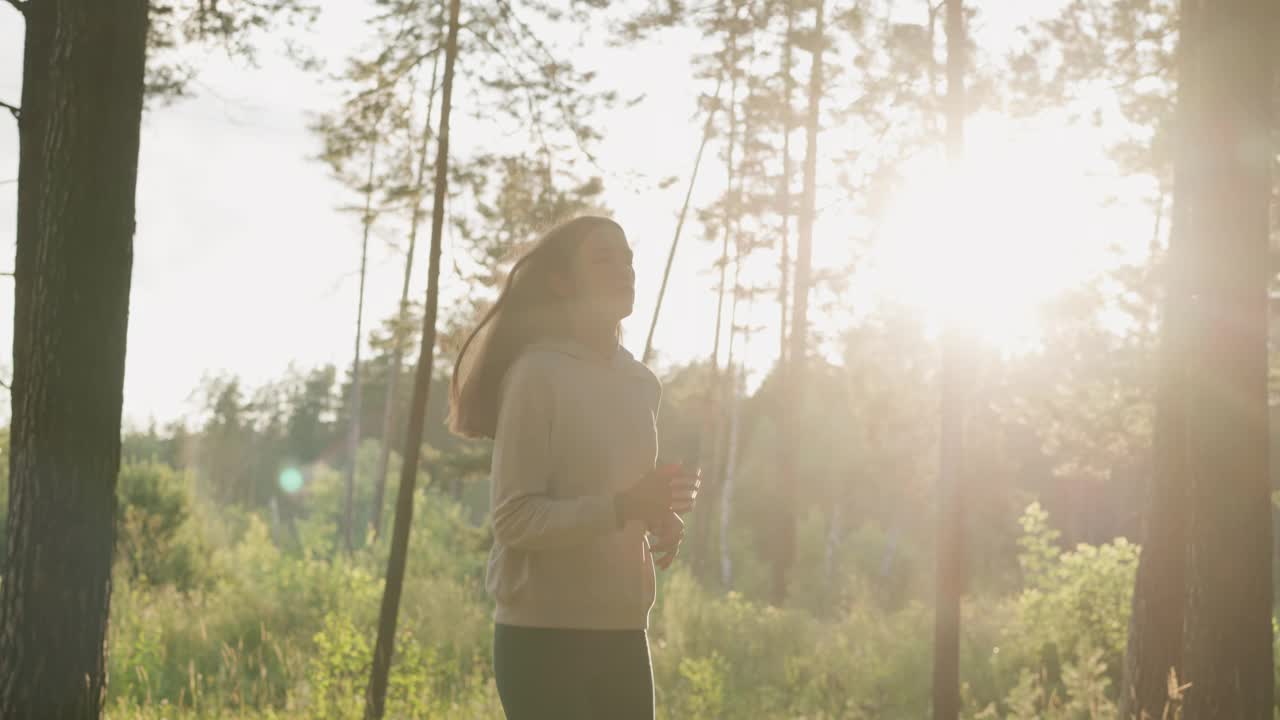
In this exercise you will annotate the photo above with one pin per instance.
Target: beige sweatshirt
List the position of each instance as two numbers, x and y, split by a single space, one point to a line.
572 431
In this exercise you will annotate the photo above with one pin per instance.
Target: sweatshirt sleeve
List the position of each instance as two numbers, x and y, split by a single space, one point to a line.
525 516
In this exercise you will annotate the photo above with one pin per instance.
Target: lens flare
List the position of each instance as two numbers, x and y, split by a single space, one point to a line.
291 480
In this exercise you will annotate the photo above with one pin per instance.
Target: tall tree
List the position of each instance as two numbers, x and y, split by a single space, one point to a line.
950 527
784 183
385 644
78 160
1155 642
726 221
355 141
794 371
1227 169
746 175
727 440
389 420
357 384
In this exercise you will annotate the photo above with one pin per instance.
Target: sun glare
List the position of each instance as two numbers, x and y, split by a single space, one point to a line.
982 246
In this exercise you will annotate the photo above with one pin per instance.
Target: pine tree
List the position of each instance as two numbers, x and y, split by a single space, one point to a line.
375 698
1227 167
79 134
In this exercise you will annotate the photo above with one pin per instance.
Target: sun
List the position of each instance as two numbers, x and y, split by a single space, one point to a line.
983 244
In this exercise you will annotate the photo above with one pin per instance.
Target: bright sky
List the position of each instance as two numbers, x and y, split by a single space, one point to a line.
244 265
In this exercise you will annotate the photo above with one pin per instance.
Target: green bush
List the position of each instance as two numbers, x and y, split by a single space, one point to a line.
272 631
1075 603
241 643
156 542
728 657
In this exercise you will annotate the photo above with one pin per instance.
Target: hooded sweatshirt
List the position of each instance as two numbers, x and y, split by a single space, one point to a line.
573 430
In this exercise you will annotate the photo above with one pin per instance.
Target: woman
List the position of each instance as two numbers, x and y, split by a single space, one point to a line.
575 488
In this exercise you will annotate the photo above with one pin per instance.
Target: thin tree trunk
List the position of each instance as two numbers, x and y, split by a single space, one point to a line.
389 419
784 199
1160 587
385 645
353 439
729 210
711 419
950 530
727 458
77 176
724 383
707 128
723 457
1228 636
712 427
793 385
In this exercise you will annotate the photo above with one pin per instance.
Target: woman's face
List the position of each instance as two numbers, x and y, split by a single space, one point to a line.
604 280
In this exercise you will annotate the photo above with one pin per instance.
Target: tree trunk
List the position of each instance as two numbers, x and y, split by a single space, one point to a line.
712 421
1228 650
353 439
784 194
1160 588
376 696
950 531
77 176
397 347
724 439
1156 621
713 429
793 385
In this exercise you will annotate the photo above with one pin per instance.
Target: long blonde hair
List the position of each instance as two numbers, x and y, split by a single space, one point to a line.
527 310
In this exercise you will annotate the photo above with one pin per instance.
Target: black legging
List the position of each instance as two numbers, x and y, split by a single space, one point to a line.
552 674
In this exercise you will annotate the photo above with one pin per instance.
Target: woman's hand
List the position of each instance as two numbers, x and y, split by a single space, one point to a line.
684 488
649 500
669 534
667 489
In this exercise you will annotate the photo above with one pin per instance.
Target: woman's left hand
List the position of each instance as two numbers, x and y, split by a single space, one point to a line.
670 533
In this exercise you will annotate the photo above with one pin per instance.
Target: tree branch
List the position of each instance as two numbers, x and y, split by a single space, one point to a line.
17 111
19 5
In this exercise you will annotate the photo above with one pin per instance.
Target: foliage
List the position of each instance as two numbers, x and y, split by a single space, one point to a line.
1085 695
156 542
264 629
1075 608
422 684
235 26
257 629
